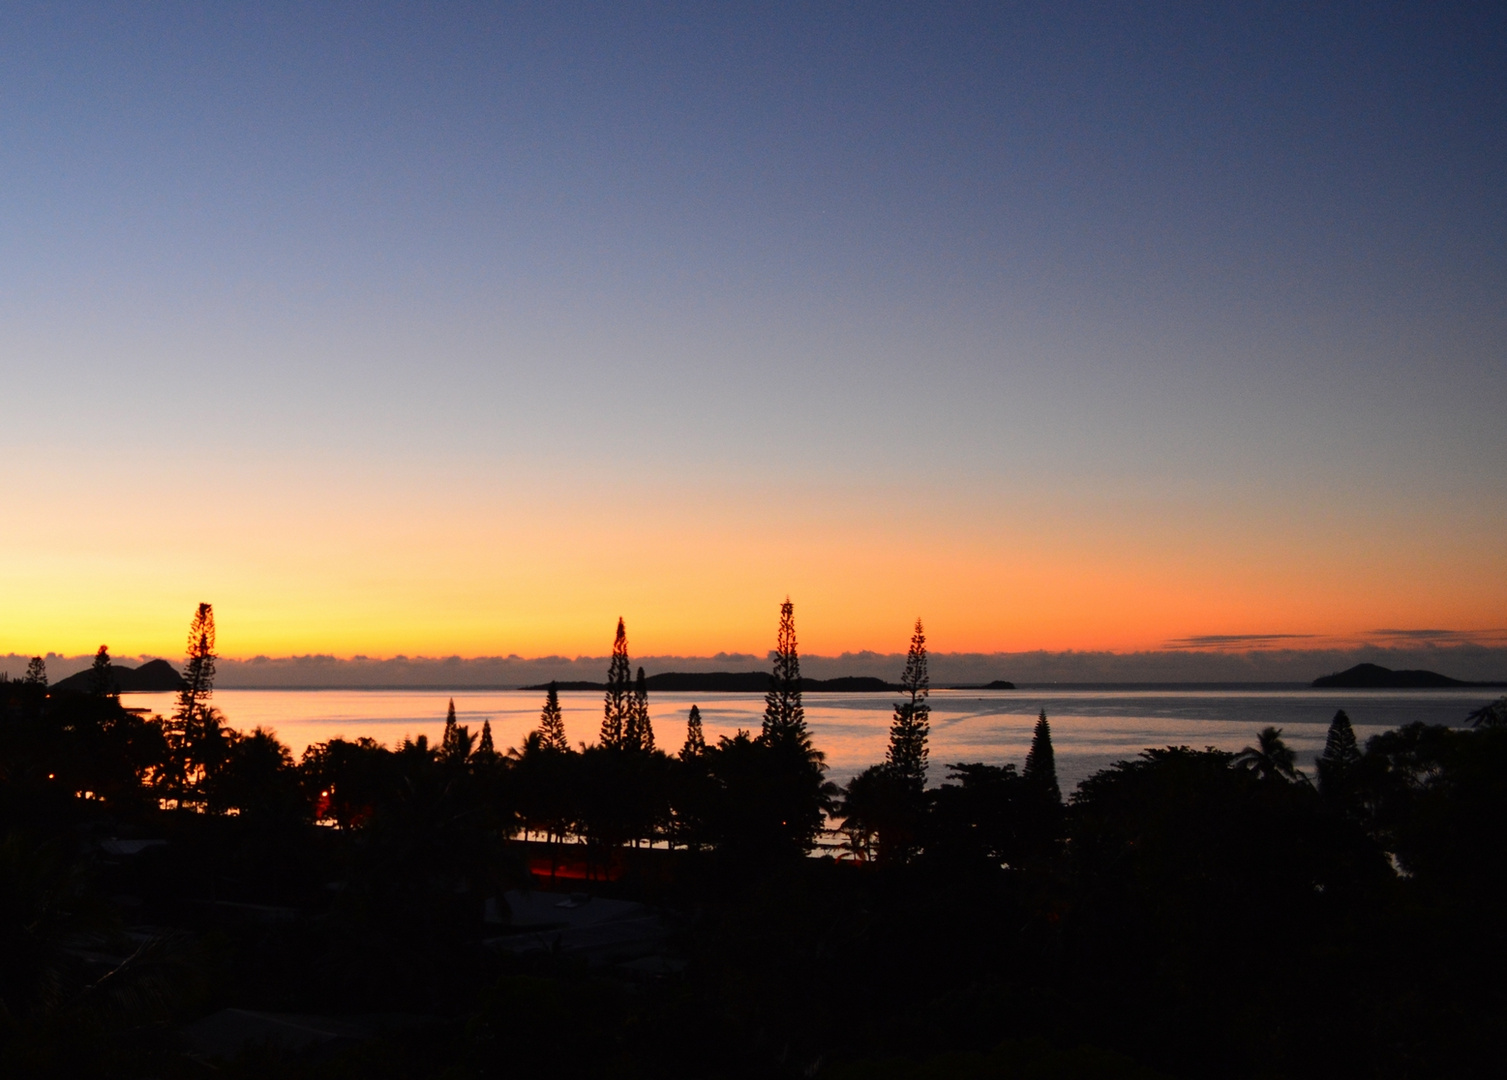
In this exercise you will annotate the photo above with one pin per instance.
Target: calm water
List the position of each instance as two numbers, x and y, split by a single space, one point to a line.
1090 728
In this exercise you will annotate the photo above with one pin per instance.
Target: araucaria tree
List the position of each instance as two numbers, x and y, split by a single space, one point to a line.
619 701
1040 773
1341 756
195 736
638 732
906 758
552 723
695 741
101 674
784 716
456 742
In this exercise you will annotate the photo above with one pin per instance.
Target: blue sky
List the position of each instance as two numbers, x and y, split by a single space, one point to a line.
1214 271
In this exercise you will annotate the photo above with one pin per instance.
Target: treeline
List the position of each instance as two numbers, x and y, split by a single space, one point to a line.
1193 912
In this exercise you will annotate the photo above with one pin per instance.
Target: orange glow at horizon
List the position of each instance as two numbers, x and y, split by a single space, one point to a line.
527 571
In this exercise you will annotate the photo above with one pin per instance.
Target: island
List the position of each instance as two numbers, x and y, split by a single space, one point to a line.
1376 677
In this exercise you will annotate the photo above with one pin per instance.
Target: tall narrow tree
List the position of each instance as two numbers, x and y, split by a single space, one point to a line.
784 715
101 674
194 733
638 732
695 740
1040 772
36 672
1341 755
485 747
552 723
906 758
198 671
619 691
457 741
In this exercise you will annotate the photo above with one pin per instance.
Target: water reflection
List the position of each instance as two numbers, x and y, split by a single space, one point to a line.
1090 728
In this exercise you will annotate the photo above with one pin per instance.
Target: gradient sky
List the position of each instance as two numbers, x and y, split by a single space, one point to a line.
467 328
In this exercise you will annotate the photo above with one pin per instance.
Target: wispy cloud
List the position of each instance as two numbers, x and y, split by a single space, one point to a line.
1446 637
1229 641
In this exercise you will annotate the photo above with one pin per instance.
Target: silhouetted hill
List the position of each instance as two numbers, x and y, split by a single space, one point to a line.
1376 677
734 682
154 676
999 684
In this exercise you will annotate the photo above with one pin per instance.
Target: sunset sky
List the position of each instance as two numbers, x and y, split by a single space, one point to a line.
467 328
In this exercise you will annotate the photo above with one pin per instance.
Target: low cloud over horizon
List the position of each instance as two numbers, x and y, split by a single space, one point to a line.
1466 660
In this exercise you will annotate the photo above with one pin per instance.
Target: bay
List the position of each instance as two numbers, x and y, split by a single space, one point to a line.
1091 728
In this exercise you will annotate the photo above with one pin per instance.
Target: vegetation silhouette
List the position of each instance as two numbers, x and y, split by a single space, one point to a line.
1186 912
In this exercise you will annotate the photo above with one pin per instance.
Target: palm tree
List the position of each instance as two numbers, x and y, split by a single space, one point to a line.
1493 715
1270 758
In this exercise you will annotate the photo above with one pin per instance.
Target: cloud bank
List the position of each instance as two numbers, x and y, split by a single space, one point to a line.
1461 660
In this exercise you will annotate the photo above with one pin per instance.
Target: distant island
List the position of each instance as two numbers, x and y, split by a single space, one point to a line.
1376 677
155 676
999 684
734 682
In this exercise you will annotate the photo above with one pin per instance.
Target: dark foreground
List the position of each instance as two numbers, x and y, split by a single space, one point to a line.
1189 913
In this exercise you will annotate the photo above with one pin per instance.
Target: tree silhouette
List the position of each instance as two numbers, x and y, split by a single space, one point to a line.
258 780
195 733
619 701
983 818
1040 772
101 676
784 716
638 732
485 747
695 740
880 805
911 724
1337 764
1493 715
769 799
456 741
36 672
1270 758
199 668
552 723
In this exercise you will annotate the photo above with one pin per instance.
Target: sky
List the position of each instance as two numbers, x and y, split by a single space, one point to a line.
465 329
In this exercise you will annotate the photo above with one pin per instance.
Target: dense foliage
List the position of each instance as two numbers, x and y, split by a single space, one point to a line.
1188 912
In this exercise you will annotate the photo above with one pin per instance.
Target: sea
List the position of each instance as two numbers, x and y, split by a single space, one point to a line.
1092 727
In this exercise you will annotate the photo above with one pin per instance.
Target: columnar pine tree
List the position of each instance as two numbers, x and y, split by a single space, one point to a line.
1040 772
485 747
619 691
36 672
638 732
101 675
552 723
194 733
695 740
456 742
198 672
784 716
906 758
1341 755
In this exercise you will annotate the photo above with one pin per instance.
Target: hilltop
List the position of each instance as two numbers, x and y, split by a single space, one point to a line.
1376 677
155 676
